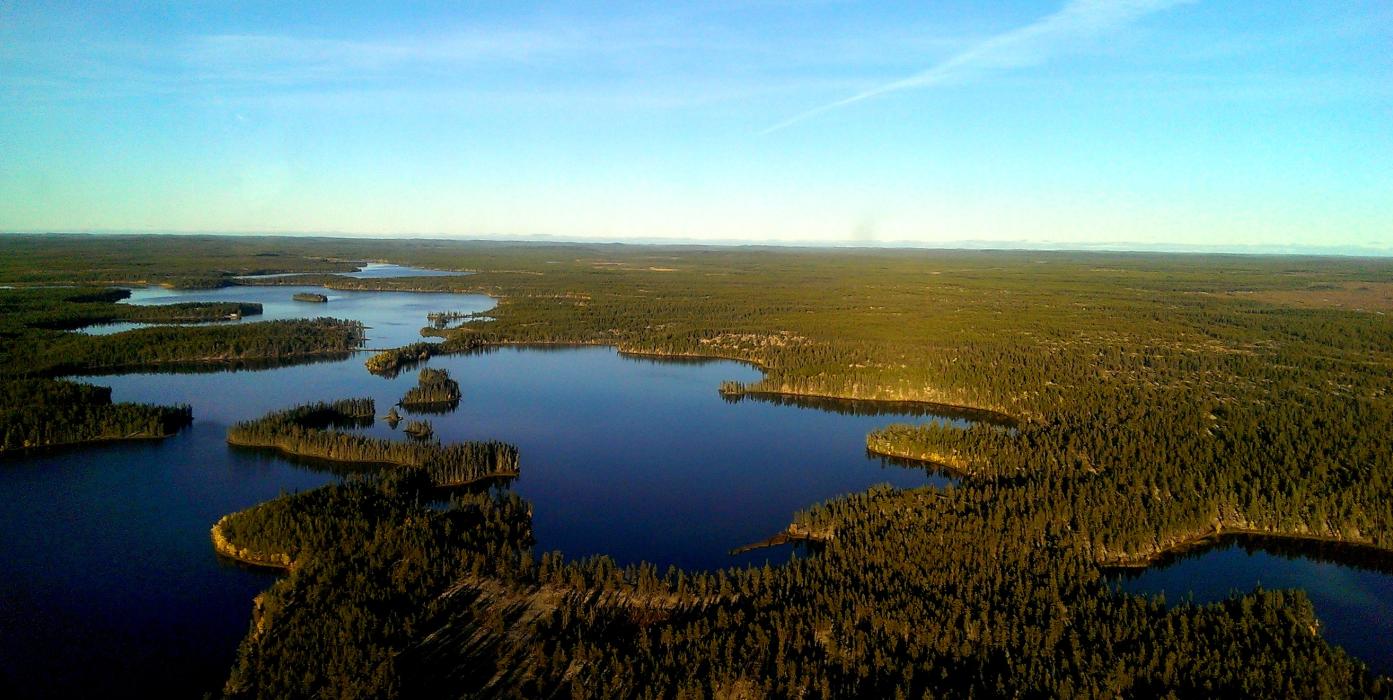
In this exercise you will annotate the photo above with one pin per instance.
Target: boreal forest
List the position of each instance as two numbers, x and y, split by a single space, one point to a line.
1125 407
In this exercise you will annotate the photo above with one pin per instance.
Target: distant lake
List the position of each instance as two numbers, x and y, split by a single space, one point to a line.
373 271
376 270
110 583
393 318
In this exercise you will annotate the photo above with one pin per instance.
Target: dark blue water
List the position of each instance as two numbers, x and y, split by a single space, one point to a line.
636 458
1352 591
110 584
644 461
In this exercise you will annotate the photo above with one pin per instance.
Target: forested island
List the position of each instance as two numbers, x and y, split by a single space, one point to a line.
44 413
304 431
419 429
309 297
389 362
441 320
1155 399
434 389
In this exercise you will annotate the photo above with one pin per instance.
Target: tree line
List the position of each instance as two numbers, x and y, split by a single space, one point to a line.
77 353
370 554
45 412
302 431
433 387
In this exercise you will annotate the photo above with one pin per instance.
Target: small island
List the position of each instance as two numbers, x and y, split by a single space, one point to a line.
434 390
419 429
388 362
314 430
310 297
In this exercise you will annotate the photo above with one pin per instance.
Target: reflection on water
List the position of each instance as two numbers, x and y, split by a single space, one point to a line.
430 409
848 407
253 365
1350 587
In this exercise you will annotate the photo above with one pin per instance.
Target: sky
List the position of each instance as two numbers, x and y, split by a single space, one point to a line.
1055 122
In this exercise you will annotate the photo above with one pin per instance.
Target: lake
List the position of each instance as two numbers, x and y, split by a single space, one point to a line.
394 319
1352 590
111 584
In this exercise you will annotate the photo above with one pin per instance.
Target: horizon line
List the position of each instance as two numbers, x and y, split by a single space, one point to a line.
1119 246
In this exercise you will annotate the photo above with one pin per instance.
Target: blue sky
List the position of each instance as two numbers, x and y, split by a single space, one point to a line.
1066 121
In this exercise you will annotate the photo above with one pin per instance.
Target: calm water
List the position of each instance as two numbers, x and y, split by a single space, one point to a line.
376 270
372 271
110 582
394 319
1352 594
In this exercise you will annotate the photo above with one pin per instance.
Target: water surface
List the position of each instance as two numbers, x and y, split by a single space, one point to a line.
1352 591
377 270
109 585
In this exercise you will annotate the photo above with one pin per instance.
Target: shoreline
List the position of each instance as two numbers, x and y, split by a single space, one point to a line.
210 361
984 415
1201 540
969 412
225 548
937 461
789 535
1186 543
689 356
468 483
36 449
496 474
330 285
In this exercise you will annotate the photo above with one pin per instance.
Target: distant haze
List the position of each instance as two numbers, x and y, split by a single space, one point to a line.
1237 126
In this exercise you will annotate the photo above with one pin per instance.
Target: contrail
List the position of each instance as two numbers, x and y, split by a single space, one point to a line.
1029 45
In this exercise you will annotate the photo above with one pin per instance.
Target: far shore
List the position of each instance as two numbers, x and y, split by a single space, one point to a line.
58 446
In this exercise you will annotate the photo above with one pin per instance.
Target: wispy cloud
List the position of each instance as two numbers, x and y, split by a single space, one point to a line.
1026 46
259 58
